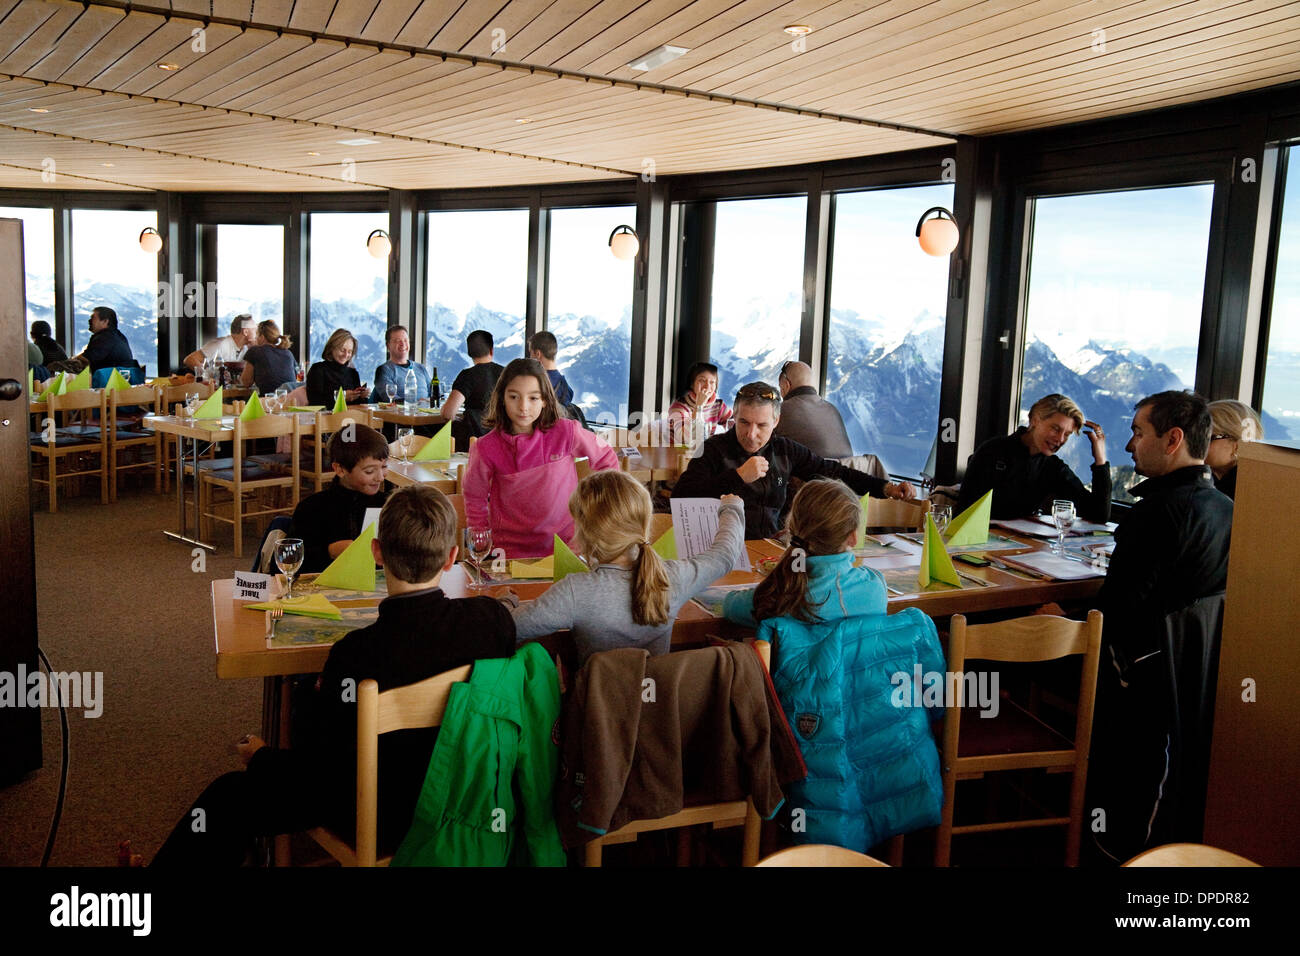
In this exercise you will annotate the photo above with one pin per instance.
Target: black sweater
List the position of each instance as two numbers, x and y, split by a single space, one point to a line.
332 514
325 378
714 474
1023 483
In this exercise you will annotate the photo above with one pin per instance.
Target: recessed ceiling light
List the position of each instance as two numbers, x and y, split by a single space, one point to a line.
169 67
358 142
312 152
798 29
658 57
523 119
37 109
107 165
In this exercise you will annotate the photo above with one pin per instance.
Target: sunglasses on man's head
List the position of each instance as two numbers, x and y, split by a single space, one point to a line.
763 392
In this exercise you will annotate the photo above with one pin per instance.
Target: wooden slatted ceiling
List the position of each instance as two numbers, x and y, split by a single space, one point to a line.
958 65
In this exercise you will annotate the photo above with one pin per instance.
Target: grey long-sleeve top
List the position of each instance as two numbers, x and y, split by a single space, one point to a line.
597 606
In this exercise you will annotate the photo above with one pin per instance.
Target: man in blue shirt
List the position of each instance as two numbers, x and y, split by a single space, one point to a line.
543 347
398 342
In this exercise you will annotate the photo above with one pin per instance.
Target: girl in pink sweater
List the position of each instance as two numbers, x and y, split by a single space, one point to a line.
522 472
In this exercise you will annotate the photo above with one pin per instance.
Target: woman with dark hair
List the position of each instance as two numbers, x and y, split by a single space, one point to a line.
51 351
522 472
270 363
335 372
700 402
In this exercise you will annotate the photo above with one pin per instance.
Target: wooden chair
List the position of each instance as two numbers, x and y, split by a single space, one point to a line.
402 708
1188 854
258 477
1017 739
582 466
897 513
726 814
123 434
87 440
819 854
458 502
316 439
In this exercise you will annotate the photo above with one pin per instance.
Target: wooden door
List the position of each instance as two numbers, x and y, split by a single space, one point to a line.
20 727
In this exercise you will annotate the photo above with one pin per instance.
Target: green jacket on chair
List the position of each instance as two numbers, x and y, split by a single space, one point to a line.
487 798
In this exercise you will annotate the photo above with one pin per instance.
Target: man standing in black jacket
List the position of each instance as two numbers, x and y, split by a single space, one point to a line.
1170 550
748 461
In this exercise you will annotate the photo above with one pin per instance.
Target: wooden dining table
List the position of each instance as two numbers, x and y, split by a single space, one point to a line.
398 414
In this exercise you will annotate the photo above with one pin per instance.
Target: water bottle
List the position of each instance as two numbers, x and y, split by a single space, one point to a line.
436 388
410 391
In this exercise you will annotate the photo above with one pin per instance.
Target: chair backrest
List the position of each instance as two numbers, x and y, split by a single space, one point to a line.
179 393
1188 854
819 854
417 442
85 398
402 708
146 397
868 463
458 502
897 513
133 375
1038 637
582 466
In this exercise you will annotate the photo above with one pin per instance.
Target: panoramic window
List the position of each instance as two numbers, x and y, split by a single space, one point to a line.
38 261
1281 402
109 268
1114 308
888 311
589 306
349 287
477 279
757 290
250 273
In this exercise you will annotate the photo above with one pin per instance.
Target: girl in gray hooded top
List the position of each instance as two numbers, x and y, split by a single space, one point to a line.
632 596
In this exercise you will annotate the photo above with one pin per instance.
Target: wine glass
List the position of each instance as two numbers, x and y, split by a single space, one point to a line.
391 391
1063 515
192 403
282 396
478 542
288 555
942 514
404 436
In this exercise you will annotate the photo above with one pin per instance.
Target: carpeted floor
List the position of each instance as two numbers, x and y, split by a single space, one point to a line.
116 596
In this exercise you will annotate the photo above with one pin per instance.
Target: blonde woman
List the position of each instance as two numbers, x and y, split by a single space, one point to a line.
632 596
1232 423
270 363
335 372
1023 469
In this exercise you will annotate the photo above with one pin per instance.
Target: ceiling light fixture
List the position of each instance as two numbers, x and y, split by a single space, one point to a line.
624 243
658 57
37 109
938 236
523 119
312 152
358 142
150 240
798 29
169 67
107 165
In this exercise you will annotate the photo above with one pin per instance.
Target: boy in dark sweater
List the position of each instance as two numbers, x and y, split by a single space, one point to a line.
420 633
329 521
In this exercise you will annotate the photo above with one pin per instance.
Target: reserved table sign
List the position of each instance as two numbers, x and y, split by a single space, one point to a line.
251 586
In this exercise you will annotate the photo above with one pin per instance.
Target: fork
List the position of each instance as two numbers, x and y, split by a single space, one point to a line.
272 615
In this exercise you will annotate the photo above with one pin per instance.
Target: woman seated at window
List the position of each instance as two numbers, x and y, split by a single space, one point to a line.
1232 423
1024 472
270 363
700 401
335 372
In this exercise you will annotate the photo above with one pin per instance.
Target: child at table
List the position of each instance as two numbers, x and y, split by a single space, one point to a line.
815 579
329 521
522 472
631 596
420 632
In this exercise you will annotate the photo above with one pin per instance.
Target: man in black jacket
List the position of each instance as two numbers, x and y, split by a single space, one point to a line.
748 461
1170 550
808 418
108 347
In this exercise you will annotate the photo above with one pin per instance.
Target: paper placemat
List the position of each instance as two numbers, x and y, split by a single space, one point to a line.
994 543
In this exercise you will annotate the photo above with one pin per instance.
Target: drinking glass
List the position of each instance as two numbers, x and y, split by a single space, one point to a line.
282 396
404 436
288 555
391 391
478 542
1063 515
192 403
942 515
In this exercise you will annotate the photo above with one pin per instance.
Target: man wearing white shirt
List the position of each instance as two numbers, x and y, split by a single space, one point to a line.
228 348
